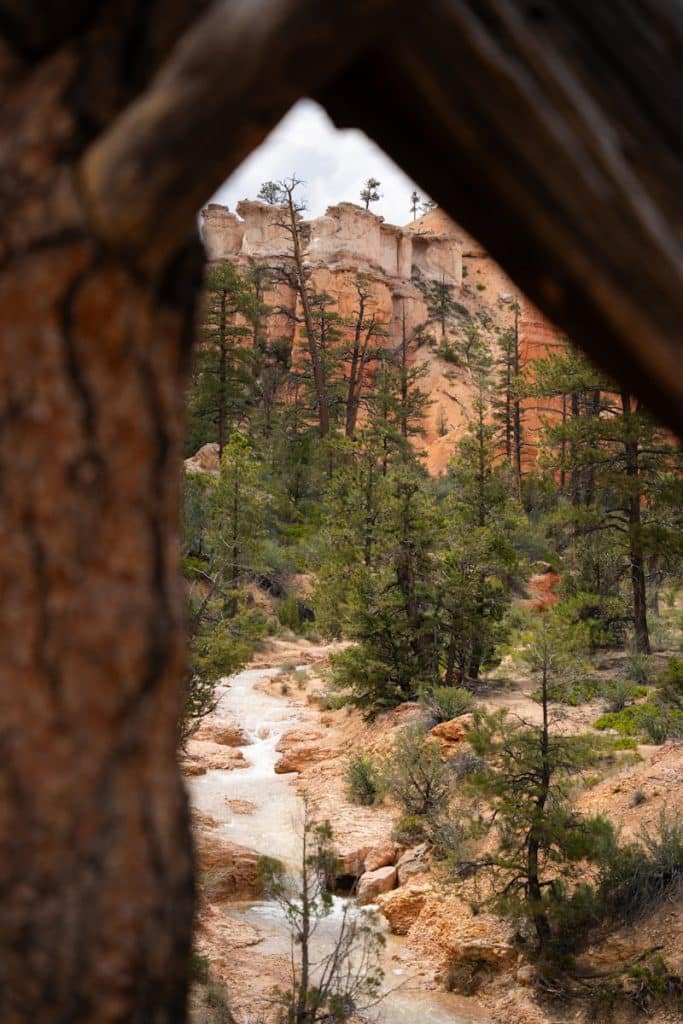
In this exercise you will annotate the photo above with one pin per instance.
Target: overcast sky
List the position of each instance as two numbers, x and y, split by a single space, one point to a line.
333 163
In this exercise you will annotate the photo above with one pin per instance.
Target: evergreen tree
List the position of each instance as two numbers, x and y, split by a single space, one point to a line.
226 358
415 203
370 192
614 465
536 839
479 561
271 192
391 607
508 406
363 349
237 514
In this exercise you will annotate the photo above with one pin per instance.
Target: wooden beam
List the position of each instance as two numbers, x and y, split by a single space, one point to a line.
551 130
232 77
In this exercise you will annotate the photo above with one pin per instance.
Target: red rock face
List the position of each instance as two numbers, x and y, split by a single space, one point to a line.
348 241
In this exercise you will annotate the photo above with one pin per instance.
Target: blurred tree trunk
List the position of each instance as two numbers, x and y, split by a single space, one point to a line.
95 860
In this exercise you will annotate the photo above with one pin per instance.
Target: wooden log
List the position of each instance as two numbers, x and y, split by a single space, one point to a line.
551 131
234 75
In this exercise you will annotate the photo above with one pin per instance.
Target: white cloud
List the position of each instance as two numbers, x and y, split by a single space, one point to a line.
334 164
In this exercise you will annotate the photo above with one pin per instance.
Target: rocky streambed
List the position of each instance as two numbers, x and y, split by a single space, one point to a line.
244 808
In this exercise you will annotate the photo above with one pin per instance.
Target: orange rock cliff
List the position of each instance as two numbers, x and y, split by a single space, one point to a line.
349 240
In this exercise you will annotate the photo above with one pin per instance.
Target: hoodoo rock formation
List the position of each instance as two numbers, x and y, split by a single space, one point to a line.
398 266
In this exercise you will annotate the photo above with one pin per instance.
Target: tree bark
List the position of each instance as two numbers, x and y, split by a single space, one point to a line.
95 860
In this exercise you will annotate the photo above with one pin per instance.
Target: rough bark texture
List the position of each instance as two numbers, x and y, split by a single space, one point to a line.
556 120
95 864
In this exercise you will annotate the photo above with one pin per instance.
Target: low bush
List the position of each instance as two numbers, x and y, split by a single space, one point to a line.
670 684
573 693
638 668
640 876
653 984
415 775
216 999
620 693
288 612
363 780
329 700
449 702
409 830
199 967
466 763
651 721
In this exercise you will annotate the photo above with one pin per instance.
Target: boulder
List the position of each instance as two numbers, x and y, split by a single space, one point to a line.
353 861
413 862
298 737
205 460
211 756
298 758
402 907
226 870
226 734
380 856
373 883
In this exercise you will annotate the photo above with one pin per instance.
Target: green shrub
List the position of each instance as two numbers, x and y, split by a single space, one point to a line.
638 668
573 693
288 612
465 763
620 694
480 287
648 720
363 780
409 830
670 684
449 702
415 775
653 984
640 876
216 999
329 700
199 967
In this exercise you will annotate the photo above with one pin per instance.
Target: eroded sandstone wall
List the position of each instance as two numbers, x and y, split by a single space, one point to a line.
348 241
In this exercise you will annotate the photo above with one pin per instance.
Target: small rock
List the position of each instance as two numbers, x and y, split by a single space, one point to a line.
373 883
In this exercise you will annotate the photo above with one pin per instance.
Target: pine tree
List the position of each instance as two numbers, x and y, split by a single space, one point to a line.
298 276
370 192
509 407
225 360
363 350
415 203
479 562
536 838
614 463
391 606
